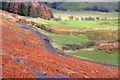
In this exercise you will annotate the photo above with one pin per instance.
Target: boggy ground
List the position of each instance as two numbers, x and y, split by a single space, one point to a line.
22 43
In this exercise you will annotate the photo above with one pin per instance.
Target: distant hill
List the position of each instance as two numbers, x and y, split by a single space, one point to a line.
32 9
77 6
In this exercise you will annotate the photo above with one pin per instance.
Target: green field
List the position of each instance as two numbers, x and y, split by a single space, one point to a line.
79 14
59 40
84 24
109 33
105 24
97 56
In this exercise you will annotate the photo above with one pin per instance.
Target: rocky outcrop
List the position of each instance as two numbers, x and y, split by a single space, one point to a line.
32 9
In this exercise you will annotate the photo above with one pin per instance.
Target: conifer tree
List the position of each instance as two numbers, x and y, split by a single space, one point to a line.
23 9
38 11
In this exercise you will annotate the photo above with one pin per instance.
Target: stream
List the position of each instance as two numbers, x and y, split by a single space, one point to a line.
51 49
54 51
39 74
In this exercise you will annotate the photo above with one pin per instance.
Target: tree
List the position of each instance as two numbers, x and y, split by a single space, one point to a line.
0 5
52 16
11 7
4 5
38 11
23 9
8 7
29 9
70 17
45 8
15 7
32 11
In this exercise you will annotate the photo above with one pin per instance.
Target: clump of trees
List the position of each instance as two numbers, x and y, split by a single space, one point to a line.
87 18
26 9
38 11
71 17
23 9
92 19
29 10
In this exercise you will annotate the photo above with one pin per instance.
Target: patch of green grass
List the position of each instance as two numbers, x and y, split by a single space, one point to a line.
97 56
60 40
83 24
79 14
107 35
106 24
108 57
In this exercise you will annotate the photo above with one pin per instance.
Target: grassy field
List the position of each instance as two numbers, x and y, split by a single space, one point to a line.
98 56
79 14
60 40
105 24
107 35
110 33
84 24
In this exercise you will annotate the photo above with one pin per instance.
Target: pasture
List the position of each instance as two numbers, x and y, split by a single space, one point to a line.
104 56
60 40
106 30
65 14
97 56
100 24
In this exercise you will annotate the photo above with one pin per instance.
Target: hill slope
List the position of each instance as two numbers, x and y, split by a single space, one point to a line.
77 6
24 55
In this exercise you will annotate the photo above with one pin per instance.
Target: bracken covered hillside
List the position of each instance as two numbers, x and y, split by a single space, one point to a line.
25 56
33 9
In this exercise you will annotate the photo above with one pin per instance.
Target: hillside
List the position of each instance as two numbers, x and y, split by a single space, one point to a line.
24 55
92 6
